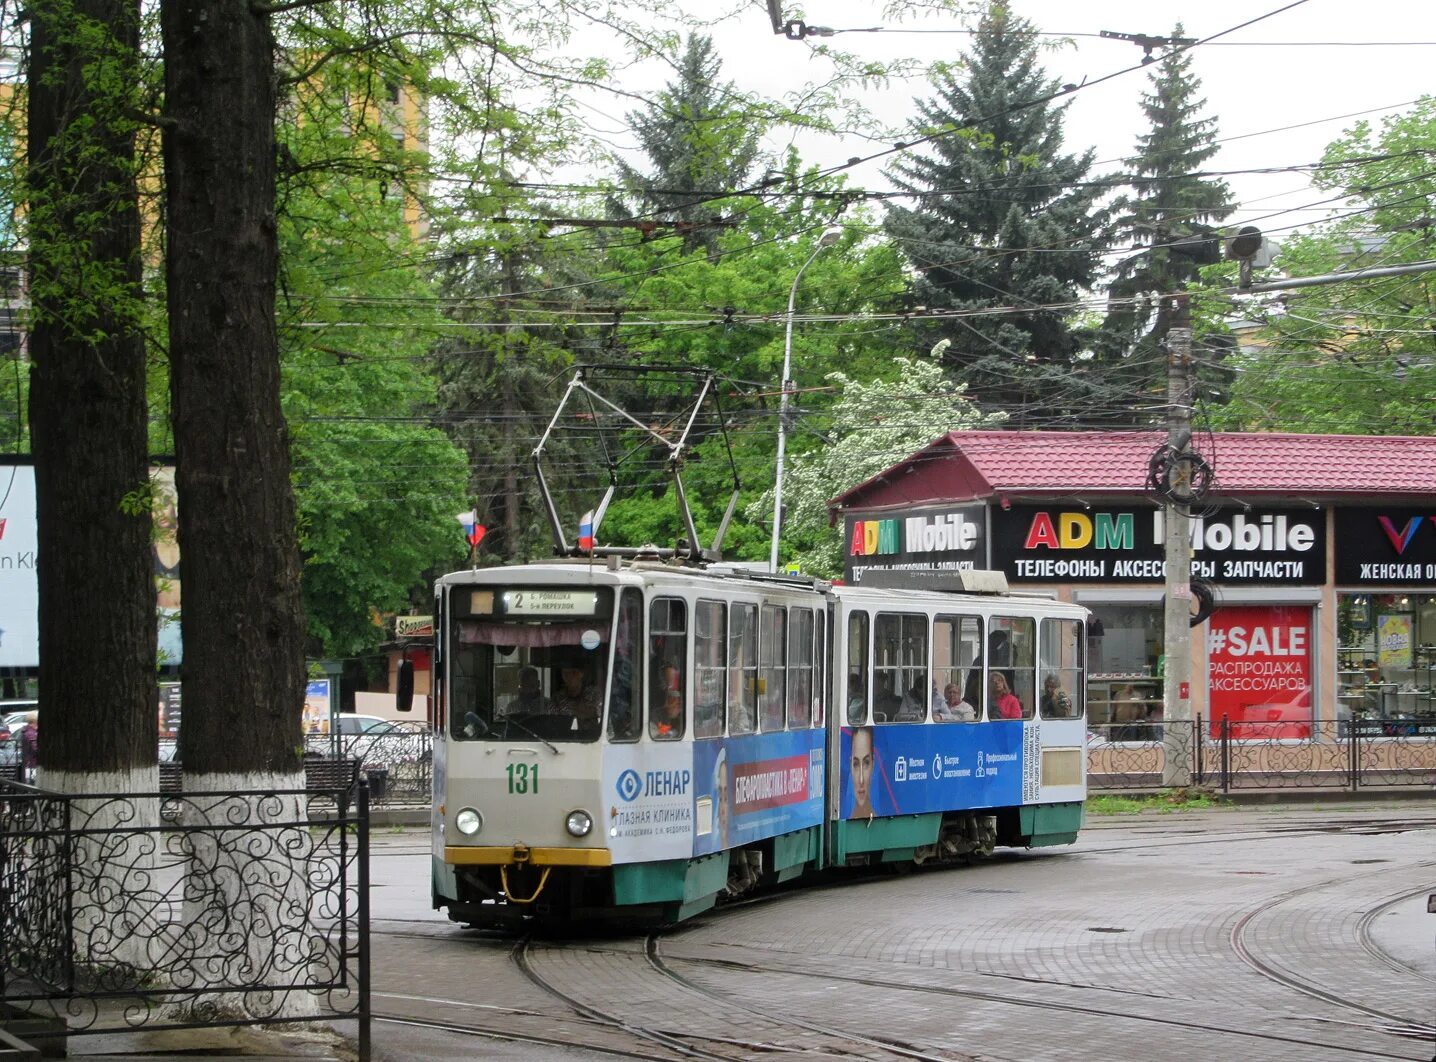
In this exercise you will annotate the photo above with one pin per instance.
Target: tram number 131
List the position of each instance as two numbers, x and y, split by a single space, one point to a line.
523 778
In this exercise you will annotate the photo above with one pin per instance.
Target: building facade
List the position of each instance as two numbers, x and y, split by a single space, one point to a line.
1319 551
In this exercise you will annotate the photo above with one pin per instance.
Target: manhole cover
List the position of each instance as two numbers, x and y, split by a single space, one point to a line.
1362 862
1105 929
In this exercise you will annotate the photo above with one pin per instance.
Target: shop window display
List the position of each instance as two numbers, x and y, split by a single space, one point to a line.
1386 662
1124 652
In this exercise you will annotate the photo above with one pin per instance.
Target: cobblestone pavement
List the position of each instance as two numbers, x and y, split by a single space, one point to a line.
1291 933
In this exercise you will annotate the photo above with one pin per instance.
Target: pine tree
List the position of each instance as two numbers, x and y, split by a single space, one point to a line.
700 141
1006 222
1169 201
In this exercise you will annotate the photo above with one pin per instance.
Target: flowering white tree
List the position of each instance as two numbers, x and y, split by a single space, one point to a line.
873 425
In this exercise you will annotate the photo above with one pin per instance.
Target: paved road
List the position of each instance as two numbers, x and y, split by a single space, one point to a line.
1294 933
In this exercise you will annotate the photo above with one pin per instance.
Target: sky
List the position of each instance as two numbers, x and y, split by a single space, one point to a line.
1302 68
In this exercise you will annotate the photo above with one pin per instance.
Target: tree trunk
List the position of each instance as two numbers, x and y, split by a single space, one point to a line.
87 399
243 623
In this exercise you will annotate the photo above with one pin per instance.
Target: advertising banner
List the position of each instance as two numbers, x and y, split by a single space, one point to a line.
1385 547
756 786
169 711
19 592
1259 661
648 801
953 538
318 708
1393 641
904 770
1126 544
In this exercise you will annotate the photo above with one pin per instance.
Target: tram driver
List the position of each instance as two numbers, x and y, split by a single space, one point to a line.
530 699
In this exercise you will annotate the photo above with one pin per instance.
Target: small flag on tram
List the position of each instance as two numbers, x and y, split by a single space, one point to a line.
585 531
474 531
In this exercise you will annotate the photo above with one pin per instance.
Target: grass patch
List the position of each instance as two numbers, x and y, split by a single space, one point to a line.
1162 803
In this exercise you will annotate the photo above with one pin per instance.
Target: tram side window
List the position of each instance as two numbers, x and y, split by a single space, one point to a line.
857 668
800 668
710 647
1011 667
1061 654
957 669
820 666
667 654
772 645
900 668
625 699
742 668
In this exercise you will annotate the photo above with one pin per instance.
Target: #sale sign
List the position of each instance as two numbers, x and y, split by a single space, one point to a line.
1259 665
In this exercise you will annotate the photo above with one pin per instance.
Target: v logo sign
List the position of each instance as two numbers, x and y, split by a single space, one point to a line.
1400 539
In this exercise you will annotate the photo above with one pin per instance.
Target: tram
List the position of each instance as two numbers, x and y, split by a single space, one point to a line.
634 740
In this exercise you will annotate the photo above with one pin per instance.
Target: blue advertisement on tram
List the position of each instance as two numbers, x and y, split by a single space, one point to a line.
756 786
905 770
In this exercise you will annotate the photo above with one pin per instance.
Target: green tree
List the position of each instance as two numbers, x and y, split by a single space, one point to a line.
1170 200
1004 222
1353 357
871 426
700 137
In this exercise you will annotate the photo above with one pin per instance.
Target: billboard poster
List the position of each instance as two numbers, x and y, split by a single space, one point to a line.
318 707
19 591
1126 544
755 786
953 538
909 769
1393 641
1259 670
19 587
169 711
648 800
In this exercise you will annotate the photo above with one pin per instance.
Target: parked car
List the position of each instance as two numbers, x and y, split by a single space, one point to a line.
375 741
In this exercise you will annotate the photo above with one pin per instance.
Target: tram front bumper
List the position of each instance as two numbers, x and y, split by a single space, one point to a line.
512 855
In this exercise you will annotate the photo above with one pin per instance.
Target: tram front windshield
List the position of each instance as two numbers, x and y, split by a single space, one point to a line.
528 663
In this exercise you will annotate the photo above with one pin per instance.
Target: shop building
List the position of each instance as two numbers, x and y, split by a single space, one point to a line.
1320 552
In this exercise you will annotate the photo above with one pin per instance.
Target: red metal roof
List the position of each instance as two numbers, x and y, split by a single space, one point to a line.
1033 462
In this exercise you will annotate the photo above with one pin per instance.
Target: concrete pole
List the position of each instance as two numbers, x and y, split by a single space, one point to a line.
1178 738
827 239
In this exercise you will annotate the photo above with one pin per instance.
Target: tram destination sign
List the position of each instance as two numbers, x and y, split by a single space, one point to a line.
1114 544
1386 546
953 538
532 602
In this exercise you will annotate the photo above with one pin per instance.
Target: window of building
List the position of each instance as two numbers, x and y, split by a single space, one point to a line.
959 694
772 647
857 706
900 668
1386 661
742 668
1060 669
1124 650
710 685
667 655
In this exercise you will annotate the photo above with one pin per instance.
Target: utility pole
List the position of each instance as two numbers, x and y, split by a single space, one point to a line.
1177 634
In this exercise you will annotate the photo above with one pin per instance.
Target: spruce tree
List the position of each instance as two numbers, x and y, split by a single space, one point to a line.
700 141
1005 222
1169 201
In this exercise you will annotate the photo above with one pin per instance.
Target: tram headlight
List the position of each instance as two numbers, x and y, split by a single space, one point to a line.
579 823
468 821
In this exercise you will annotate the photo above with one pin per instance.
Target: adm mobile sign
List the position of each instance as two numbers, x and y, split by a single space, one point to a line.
948 539
1125 545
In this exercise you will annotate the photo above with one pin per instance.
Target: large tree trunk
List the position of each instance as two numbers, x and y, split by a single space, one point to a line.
88 424
243 618
87 400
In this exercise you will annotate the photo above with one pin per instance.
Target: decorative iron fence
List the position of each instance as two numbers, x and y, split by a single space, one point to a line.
398 763
1288 753
243 908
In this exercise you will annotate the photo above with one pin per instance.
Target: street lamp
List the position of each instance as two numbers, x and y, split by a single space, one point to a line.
827 239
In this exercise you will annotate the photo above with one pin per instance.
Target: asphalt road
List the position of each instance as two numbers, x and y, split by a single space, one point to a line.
1288 933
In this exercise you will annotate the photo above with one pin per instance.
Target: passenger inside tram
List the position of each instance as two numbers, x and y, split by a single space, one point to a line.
1005 704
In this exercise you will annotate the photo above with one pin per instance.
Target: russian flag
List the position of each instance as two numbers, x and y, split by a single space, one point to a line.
585 532
474 531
